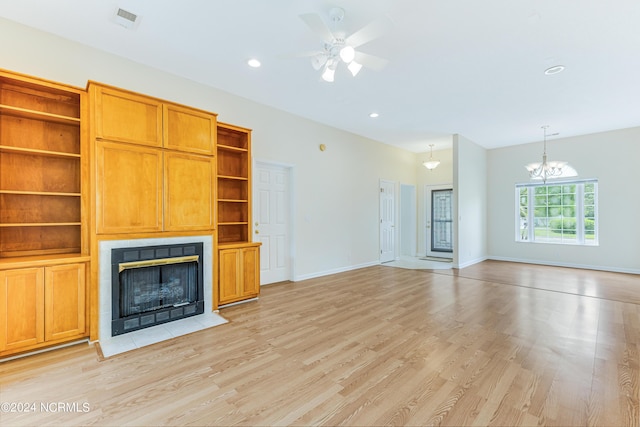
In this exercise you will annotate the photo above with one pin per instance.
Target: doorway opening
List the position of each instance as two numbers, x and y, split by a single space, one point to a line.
439 221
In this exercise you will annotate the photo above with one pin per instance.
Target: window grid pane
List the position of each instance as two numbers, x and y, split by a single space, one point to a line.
559 213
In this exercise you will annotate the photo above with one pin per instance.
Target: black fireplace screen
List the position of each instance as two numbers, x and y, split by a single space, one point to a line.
152 285
152 288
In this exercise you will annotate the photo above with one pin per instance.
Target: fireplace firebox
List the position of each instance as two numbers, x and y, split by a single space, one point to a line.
152 285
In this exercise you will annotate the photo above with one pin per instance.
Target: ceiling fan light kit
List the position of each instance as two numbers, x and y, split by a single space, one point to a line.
337 48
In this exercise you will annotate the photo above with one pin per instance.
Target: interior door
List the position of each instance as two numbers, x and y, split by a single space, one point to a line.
387 221
272 222
440 222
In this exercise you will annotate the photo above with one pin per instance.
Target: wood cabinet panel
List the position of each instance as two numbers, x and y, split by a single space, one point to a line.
239 273
250 285
129 188
186 129
189 192
127 117
229 273
65 311
21 308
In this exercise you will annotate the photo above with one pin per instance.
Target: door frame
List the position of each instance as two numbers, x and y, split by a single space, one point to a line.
395 219
291 170
427 219
408 220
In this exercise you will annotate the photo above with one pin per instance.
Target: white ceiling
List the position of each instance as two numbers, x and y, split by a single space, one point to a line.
473 67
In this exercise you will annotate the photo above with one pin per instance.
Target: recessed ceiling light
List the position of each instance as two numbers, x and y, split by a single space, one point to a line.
254 63
374 115
554 70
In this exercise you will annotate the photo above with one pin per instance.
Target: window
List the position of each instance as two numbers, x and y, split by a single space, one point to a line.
562 212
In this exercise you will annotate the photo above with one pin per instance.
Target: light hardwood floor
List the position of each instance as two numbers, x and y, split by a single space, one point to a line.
376 346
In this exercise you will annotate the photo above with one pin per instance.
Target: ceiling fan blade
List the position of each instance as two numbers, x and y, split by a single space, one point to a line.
371 61
318 26
369 32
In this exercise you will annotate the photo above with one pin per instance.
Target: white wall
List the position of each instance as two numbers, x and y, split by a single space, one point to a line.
611 157
335 192
470 206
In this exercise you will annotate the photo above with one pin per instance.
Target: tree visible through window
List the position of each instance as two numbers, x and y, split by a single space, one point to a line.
563 212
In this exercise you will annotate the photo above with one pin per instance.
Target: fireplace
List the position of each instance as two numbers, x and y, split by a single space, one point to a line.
152 285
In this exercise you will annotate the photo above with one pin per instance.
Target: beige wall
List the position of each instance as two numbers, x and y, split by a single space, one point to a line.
336 191
612 158
335 200
470 202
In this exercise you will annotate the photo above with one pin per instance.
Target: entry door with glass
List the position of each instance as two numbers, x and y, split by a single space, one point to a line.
440 225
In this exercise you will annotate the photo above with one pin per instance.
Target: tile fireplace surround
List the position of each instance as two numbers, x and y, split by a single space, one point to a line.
132 340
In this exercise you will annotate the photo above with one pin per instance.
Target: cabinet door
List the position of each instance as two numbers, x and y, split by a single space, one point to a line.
229 275
64 296
21 308
190 130
129 188
250 272
189 196
126 117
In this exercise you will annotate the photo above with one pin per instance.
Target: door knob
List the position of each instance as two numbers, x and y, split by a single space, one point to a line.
257 232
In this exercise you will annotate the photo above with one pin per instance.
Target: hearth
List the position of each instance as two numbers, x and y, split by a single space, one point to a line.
152 285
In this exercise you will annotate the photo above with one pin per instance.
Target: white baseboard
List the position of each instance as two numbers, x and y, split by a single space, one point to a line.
334 271
472 262
568 265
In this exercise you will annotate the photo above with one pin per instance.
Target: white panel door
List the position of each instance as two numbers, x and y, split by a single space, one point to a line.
271 221
387 221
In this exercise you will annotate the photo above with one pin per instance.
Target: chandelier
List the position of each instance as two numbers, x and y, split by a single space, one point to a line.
549 169
431 164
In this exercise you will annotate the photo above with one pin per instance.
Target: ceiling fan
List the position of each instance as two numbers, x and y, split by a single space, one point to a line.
337 47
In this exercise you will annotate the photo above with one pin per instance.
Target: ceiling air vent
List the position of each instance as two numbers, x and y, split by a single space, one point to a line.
125 18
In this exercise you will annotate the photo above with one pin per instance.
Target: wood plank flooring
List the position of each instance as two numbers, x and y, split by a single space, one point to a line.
376 346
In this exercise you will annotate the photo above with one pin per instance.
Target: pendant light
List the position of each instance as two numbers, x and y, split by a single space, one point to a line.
431 164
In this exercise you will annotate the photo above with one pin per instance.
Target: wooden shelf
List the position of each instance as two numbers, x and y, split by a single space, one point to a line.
40 167
238 178
232 148
7 148
38 115
233 200
40 224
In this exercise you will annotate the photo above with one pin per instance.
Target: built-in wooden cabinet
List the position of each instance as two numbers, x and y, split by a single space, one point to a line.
239 272
41 163
125 116
154 164
42 306
44 248
187 204
187 129
238 257
234 184
128 187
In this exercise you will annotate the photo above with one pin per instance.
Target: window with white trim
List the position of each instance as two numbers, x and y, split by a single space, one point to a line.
563 212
